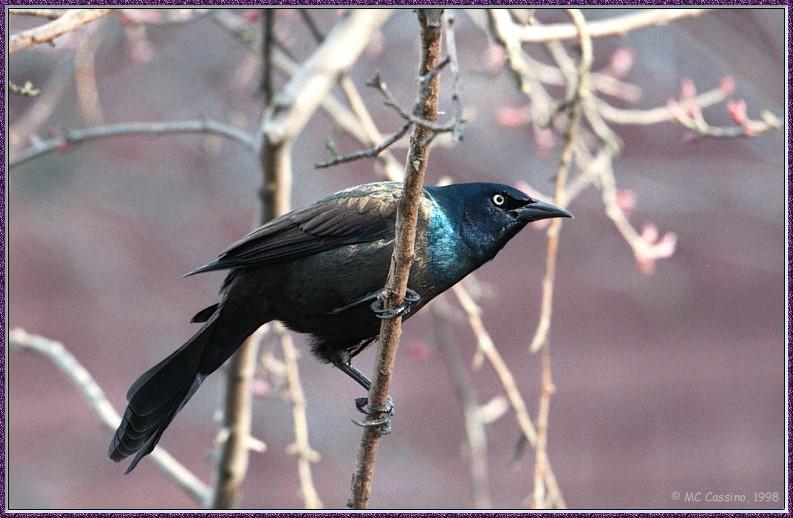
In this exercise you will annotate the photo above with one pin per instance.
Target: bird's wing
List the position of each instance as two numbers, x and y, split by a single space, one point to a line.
358 215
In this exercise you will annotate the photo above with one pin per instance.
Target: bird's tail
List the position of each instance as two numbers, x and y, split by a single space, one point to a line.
158 395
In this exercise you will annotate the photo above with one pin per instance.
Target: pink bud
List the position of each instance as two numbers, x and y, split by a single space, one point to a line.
494 57
727 85
261 387
626 201
621 61
687 89
544 138
737 110
417 350
512 117
649 233
251 15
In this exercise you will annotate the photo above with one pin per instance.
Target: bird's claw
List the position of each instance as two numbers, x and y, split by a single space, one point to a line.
382 423
411 297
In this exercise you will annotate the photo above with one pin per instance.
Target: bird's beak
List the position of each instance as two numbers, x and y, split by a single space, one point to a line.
538 210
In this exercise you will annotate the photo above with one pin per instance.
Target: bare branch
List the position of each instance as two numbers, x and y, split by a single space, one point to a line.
744 127
402 258
95 396
70 21
364 153
78 136
616 26
305 91
451 52
647 117
301 447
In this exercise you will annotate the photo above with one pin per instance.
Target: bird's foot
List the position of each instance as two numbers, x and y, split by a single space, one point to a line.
411 297
382 423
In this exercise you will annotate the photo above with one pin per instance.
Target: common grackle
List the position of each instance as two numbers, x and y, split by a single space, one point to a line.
319 270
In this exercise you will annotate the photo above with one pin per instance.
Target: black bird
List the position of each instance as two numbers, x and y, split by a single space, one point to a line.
319 270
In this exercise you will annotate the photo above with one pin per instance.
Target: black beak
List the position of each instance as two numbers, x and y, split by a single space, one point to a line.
537 210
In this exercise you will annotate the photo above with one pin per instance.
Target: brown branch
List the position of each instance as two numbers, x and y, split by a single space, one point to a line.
301 447
615 26
402 258
71 138
371 152
96 399
70 21
466 396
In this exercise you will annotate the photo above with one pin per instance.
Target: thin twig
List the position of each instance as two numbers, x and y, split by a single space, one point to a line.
371 152
615 26
69 138
377 83
301 447
747 127
96 399
451 52
646 117
540 498
402 258
70 21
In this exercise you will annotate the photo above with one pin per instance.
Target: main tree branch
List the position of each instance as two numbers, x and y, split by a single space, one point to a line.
402 258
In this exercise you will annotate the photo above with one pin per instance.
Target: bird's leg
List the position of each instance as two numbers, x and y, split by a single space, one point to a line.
346 367
411 297
342 362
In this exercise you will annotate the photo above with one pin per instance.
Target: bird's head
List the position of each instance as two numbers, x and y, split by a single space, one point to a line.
491 213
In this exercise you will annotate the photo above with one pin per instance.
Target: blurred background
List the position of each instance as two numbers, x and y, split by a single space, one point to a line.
669 381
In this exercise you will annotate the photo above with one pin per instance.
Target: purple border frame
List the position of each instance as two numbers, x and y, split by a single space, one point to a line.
405 3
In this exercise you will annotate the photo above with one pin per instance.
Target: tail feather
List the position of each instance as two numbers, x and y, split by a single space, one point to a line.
157 396
160 393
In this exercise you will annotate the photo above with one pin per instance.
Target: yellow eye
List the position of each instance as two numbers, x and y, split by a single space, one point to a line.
498 200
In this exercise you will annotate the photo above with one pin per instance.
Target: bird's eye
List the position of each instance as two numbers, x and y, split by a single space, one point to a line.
499 200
